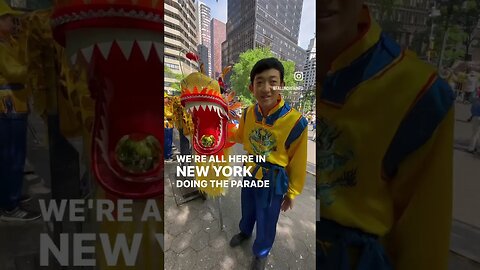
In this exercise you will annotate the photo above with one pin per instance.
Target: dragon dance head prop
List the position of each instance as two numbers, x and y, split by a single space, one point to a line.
119 42
212 115
202 98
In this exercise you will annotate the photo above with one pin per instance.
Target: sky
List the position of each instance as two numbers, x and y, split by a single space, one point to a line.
307 23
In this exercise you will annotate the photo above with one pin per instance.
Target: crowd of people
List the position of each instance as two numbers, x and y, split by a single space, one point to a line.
466 86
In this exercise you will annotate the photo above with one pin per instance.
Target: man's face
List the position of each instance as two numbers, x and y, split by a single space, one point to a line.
6 25
336 19
263 88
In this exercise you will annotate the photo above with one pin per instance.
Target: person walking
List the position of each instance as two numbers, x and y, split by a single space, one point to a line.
475 119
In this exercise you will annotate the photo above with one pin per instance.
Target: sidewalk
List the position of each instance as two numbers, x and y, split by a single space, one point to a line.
193 239
465 244
20 241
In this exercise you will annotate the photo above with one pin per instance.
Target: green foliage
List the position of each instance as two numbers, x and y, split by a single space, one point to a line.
176 76
460 18
240 78
308 100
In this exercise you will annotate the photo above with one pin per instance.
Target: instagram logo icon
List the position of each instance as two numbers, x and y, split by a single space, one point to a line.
298 76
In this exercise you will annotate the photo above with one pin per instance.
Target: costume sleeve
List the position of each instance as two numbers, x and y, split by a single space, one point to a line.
10 68
297 154
421 184
241 124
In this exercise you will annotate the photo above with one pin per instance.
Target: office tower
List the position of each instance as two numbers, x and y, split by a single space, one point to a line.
218 34
204 38
261 23
180 38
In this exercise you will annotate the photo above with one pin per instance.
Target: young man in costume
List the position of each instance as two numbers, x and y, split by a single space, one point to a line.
384 149
273 129
13 121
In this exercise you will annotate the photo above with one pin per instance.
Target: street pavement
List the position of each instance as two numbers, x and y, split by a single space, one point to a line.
465 243
20 241
194 239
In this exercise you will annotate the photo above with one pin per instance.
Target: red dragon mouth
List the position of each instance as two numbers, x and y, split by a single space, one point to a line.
128 117
120 44
209 115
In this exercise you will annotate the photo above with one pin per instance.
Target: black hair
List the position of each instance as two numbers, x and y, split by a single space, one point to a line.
265 64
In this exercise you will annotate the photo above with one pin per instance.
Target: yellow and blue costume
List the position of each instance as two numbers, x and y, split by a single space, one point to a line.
384 159
281 137
13 119
168 129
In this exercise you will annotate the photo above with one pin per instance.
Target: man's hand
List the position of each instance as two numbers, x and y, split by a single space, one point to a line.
287 203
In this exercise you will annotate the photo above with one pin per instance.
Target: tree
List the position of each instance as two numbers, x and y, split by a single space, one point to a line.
453 52
453 49
176 76
459 19
308 99
240 79
468 21
386 15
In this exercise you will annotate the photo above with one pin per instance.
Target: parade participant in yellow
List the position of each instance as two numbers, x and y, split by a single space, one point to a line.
183 123
273 129
384 149
168 124
13 121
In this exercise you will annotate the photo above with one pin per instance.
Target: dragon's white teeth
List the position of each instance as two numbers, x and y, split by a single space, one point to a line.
104 48
145 47
126 47
87 53
103 149
203 106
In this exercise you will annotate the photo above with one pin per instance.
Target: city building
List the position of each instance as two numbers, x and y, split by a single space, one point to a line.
310 66
407 21
203 27
180 38
203 55
262 23
218 35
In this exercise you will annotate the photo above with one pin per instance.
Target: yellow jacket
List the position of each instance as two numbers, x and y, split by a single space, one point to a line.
281 137
385 147
13 75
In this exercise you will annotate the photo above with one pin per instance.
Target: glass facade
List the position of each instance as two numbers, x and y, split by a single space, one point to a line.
262 23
